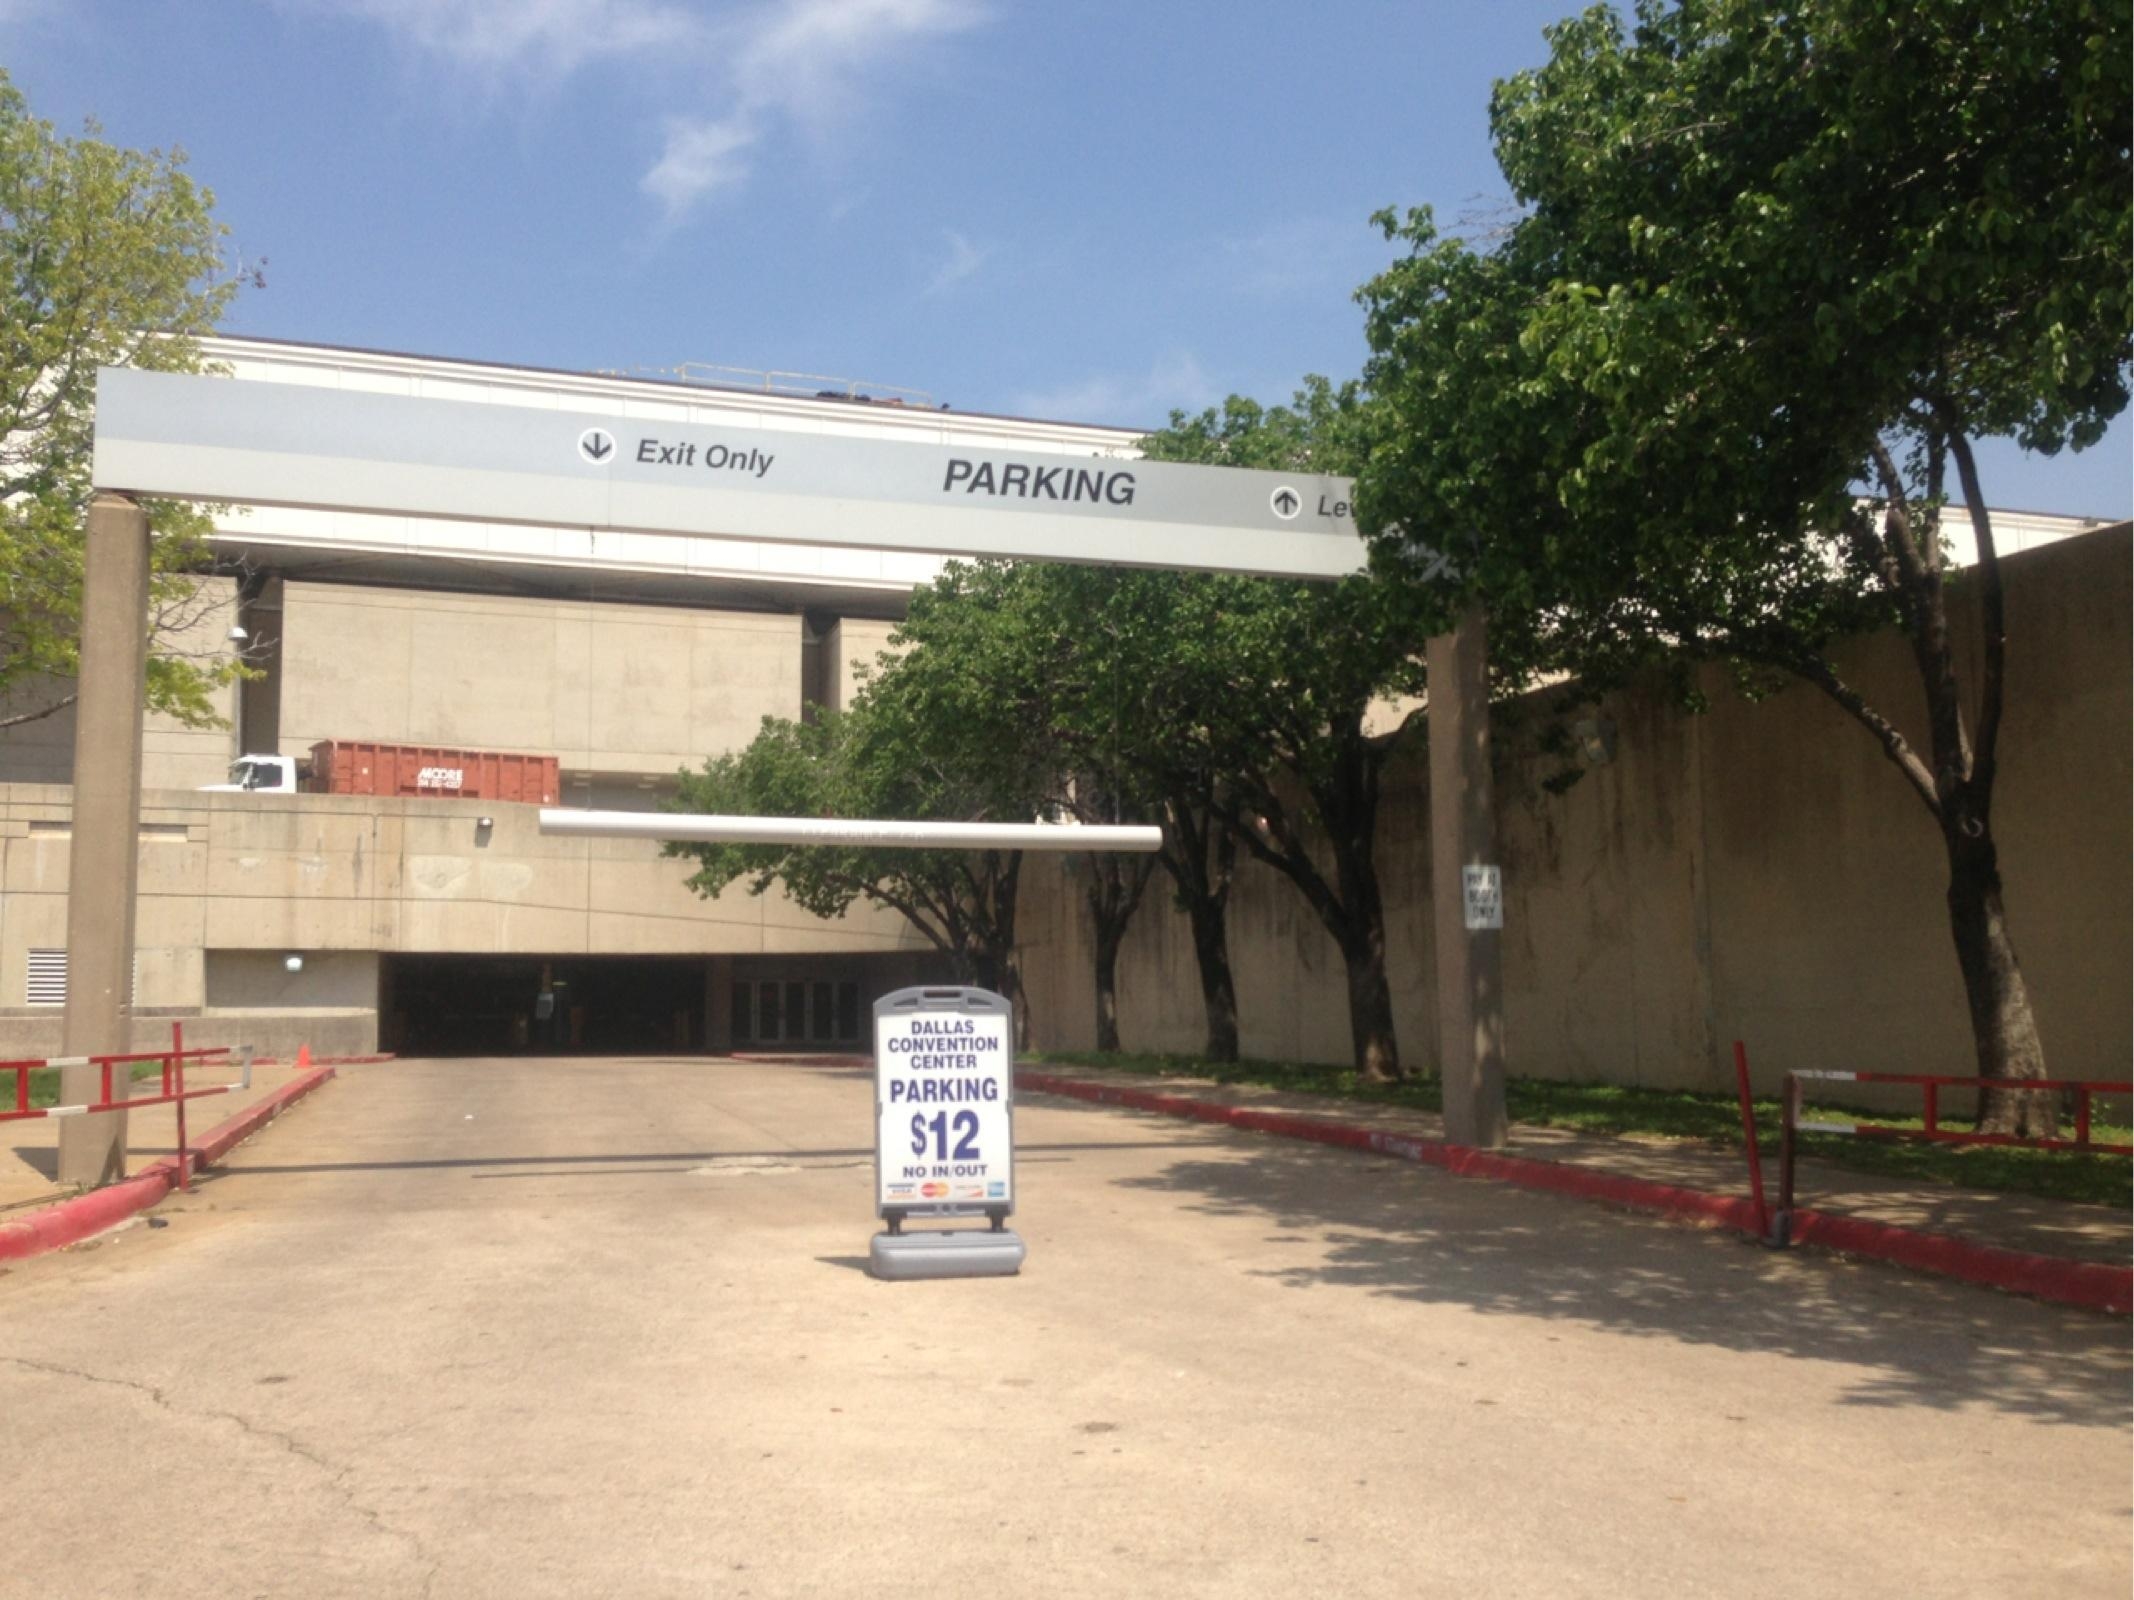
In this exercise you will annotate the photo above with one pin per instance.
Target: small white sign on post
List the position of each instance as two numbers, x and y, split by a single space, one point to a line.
944 1092
1483 888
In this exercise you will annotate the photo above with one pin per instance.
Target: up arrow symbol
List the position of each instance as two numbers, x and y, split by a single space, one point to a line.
1286 502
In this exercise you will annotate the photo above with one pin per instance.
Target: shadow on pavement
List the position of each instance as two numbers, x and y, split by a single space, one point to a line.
1392 1229
43 1158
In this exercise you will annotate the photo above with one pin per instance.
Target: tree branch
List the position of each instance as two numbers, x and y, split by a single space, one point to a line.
1894 744
1993 620
20 717
1928 606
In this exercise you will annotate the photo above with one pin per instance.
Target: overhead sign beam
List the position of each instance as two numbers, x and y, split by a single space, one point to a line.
184 436
873 834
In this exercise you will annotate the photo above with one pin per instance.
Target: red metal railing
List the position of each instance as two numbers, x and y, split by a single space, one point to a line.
1792 1124
173 1089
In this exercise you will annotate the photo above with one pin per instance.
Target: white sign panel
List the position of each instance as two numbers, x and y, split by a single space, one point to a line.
944 1098
189 437
1484 891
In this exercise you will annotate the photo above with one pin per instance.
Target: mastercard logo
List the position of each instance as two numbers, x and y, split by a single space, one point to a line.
933 1191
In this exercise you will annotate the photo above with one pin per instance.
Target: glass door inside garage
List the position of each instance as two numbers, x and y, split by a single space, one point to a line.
817 1012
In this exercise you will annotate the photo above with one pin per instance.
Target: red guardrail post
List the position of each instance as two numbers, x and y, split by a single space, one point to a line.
177 1050
2082 1115
1789 1115
1748 1130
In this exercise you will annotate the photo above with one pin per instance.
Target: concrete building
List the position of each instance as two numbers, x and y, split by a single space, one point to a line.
1751 873
354 922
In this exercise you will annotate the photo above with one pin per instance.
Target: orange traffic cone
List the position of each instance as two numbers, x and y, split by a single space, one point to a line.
303 1057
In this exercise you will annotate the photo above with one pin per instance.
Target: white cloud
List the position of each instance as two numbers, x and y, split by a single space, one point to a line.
1175 382
553 36
761 69
964 258
799 63
701 158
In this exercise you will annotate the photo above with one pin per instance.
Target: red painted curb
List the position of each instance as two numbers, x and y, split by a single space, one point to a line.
70 1221
2089 1284
225 1136
327 1061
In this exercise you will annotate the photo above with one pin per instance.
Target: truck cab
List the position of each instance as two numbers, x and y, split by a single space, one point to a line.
258 775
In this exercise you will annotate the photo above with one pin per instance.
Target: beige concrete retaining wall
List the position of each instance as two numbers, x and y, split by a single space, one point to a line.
1760 872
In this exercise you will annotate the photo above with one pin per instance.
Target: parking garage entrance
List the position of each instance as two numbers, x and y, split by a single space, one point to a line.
518 1005
483 1005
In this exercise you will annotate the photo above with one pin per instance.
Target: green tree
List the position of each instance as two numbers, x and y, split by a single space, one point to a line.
927 740
1291 674
1139 698
1045 644
108 257
1779 269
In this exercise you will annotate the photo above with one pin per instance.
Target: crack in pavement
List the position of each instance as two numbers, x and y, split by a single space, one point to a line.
336 1476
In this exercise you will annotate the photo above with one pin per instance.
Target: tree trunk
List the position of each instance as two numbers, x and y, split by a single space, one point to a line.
1107 988
1356 916
1201 857
1363 953
2003 1028
1218 990
1371 1011
1012 988
1113 894
1958 785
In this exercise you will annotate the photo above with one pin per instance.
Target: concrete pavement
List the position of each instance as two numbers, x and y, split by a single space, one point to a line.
2010 1221
579 1327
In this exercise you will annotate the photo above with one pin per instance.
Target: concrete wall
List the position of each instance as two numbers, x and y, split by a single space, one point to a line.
606 687
173 756
1759 872
231 883
851 646
31 1034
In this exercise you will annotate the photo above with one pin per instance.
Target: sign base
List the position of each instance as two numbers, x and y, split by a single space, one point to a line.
947 1253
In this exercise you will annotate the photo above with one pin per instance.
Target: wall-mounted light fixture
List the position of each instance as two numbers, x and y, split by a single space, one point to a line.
292 962
485 823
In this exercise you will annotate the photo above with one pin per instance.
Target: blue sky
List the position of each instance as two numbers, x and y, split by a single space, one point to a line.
1088 209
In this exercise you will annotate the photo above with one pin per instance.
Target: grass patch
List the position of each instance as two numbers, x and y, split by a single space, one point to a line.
1713 1119
44 1084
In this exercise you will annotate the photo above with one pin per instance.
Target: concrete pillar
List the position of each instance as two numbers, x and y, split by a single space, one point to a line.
1470 963
718 1005
103 857
259 701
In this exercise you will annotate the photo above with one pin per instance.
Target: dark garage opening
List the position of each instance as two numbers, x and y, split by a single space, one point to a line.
453 1005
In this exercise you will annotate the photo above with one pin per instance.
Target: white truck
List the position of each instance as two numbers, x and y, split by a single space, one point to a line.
424 771
257 775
